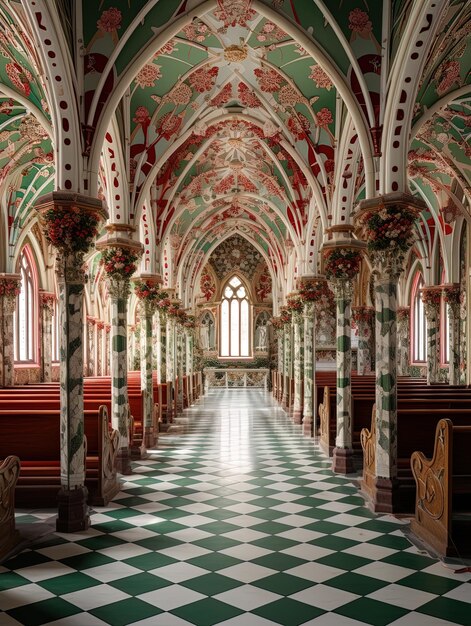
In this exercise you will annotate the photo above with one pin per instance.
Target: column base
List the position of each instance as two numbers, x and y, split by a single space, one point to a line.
342 461
285 403
297 416
73 512
149 439
123 461
382 495
307 426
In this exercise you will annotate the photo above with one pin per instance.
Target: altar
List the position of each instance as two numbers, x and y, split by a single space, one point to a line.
235 378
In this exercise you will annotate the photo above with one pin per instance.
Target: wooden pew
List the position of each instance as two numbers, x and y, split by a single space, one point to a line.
415 429
9 536
35 438
443 498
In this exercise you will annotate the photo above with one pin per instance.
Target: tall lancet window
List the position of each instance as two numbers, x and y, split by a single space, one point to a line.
419 323
25 319
235 320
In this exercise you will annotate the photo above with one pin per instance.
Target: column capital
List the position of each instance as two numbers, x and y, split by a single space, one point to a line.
431 297
10 286
47 300
342 259
70 221
451 293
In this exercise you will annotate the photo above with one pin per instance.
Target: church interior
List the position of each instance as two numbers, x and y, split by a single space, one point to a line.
235 343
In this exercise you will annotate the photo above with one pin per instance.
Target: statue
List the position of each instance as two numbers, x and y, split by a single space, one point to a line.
262 337
204 335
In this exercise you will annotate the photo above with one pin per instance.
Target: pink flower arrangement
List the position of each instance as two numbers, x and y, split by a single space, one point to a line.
391 227
164 304
10 287
403 313
285 315
70 229
190 322
277 323
119 262
342 263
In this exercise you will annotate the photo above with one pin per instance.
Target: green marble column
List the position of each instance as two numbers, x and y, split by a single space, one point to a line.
431 298
286 363
146 315
10 285
451 296
364 319
310 390
70 223
298 360
403 341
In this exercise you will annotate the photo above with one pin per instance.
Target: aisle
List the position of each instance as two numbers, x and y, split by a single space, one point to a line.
237 522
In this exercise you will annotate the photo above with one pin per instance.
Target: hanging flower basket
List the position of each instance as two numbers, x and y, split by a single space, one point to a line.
389 228
342 263
70 229
10 287
119 262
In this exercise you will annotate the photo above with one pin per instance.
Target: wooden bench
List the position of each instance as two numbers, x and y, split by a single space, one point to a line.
415 429
34 436
9 536
443 500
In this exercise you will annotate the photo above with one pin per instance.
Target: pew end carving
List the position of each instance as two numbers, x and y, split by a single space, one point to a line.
9 536
368 445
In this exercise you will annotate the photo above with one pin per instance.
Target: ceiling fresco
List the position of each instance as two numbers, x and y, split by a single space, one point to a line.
243 119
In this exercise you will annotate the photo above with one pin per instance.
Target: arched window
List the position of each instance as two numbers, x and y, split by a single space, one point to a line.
235 320
419 322
25 319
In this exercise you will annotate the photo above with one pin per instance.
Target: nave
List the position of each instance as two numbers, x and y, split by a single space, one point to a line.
238 521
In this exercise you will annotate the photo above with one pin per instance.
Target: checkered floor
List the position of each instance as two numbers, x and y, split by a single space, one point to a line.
238 521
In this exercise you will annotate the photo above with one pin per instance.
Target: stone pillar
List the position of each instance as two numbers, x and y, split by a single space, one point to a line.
156 354
180 356
342 461
403 341
163 346
46 301
189 363
363 316
170 368
107 368
10 285
393 213
90 346
70 224
119 258
286 363
431 297
100 325
298 327
451 297
310 389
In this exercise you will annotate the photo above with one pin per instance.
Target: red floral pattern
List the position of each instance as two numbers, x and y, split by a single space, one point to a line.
268 79
298 125
359 21
222 97
247 96
110 20
321 79
20 77
148 75
203 79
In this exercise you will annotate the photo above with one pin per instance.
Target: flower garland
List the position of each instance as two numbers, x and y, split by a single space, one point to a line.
431 297
342 263
10 287
119 262
390 227
70 229
452 295
164 304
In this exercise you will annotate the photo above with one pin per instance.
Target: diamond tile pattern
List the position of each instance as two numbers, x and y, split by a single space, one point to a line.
237 521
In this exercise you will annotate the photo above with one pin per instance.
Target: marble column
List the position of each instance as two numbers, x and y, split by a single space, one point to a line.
100 325
364 319
403 341
146 315
189 364
451 297
342 461
118 290
107 368
431 298
163 346
280 340
156 355
170 366
394 212
47 301
298 327
287 365
180 359
10 285
90 346
82 216
310 390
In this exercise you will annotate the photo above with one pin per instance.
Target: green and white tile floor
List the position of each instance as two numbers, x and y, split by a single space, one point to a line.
240 522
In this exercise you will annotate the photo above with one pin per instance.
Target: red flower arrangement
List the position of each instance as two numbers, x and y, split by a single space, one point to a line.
314 290
163 304
403 313
70 229
452 295
285 315
10 287
391 227
145 290
294 304
431 296
342 263
119 262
